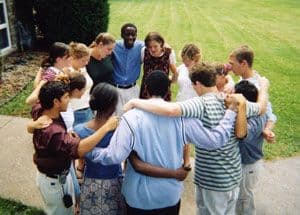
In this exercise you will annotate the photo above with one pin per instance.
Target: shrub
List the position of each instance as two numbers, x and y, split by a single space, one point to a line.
71 20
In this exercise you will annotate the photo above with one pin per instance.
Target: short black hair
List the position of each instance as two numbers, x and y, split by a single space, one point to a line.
104 99
126 25
50 91
157 84
247 89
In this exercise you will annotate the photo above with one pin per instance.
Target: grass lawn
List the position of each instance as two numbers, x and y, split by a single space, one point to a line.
269 27
8 207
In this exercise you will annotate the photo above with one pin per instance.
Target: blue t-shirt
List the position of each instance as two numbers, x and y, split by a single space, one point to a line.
251 147
97 170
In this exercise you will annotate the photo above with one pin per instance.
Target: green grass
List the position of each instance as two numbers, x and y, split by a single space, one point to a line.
17 106
9 207
270 27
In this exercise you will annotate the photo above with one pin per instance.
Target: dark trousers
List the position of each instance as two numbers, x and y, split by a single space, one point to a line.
172 210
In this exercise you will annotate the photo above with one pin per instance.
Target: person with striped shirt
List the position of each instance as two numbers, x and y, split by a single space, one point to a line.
217 172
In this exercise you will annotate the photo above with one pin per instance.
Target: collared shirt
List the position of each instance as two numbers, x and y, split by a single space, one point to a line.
127 63
220 169
54 147
251 146
159 141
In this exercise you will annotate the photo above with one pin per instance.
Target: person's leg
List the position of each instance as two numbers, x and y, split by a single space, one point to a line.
232 200
124 96
52 195
211 202
245 203
201 209
76 187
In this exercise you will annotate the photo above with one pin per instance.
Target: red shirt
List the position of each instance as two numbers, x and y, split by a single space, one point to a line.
54 146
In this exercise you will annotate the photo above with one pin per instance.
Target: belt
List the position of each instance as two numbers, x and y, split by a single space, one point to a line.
56 176
124 86
83 109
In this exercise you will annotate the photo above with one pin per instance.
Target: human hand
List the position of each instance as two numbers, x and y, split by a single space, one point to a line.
269 135
129 105
112 123
234 101
181 173
42 122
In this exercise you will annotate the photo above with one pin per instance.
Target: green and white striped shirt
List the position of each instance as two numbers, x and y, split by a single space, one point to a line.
218 170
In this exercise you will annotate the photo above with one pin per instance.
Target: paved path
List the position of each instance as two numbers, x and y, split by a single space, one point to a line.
277 193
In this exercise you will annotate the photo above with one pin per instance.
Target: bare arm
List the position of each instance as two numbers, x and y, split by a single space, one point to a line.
42 122
155 171
37 78
241 120
263 95
156 106
174 73
268 133
33 97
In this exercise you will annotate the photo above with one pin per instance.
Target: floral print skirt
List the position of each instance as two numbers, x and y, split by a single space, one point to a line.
102 196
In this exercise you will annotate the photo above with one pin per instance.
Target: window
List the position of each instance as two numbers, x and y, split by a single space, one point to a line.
5 42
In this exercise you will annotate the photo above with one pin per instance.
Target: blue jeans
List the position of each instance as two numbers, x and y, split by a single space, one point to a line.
75 180
82 116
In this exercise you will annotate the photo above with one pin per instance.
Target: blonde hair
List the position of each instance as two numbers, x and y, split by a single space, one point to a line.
78 50
104 38
191 51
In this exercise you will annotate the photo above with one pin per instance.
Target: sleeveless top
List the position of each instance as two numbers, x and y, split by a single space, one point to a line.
155 63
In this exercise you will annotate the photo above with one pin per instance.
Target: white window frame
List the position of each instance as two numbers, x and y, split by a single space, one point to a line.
5 25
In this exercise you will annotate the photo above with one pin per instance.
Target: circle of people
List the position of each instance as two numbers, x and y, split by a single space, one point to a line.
104 145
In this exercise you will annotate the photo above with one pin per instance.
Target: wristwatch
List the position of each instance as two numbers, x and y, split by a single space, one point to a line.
187 167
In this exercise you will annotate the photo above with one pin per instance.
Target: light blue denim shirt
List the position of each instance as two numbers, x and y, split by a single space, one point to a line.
159 141
127 63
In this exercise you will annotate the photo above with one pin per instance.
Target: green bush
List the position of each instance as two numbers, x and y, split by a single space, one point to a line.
71 20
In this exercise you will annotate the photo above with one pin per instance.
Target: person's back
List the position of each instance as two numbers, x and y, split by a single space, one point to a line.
218 170
157 144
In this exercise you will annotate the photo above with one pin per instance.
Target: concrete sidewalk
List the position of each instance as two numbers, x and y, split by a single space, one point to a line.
277 193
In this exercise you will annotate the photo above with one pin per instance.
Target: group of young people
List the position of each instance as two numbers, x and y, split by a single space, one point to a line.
78 114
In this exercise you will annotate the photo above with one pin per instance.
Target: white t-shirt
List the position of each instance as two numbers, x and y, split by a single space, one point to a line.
83 102
185 88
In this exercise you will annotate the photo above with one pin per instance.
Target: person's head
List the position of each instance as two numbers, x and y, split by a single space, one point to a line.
54 94
203 75
154 42
80 55
77 84
129 33
58 56
221 73
247 89
157 84
241 60
103 100
190 54
104 43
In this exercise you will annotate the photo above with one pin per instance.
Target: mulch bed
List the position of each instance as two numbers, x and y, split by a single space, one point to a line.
18 69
